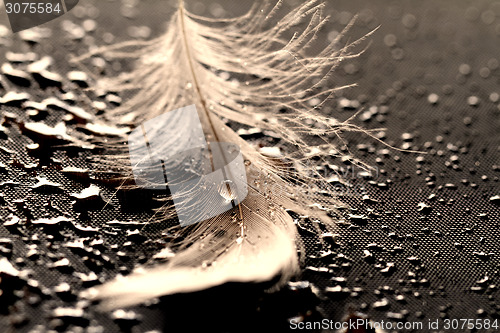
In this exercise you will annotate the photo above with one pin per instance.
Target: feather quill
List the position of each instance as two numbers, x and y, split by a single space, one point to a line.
244 71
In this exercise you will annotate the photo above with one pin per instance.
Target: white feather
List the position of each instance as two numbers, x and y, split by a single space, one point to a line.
193 63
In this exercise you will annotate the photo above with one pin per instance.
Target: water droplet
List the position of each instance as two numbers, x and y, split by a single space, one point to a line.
473 100
495 199
433 98
15 75
381 304
424 208
227 190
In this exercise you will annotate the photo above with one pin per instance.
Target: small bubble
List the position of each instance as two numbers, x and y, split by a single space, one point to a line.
433 98
89 25
424 208
464 69
484 72
227 190
488 17
473 100
398 53
495 199
409 21
494 97
390 40
472 14
381 304
447 89
493 64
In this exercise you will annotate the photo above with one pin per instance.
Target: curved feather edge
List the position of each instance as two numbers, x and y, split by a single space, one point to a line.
275 255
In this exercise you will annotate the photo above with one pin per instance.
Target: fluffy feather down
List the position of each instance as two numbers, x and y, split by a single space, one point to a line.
245 71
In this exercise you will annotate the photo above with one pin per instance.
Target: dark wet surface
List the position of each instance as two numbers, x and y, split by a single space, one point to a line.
419 241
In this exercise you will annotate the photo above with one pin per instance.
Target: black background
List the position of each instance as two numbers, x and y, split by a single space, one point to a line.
447 48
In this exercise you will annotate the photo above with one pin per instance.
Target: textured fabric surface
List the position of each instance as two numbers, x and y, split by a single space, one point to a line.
418 242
